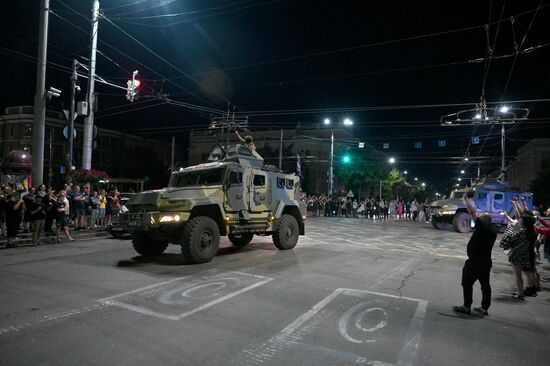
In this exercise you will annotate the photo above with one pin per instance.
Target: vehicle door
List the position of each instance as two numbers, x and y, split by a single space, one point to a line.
259 192
497 202
235 193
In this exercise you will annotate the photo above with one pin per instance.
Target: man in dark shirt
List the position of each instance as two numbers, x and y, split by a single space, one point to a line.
479 263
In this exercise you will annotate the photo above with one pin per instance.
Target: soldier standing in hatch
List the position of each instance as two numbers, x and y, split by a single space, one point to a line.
247 141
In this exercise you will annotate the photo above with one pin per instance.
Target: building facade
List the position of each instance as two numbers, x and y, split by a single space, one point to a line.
531 159
121 155
305 151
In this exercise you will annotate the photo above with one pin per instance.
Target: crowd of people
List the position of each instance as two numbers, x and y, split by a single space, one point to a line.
42 210
372 208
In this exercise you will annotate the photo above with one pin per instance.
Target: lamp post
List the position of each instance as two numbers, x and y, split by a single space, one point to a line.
327 122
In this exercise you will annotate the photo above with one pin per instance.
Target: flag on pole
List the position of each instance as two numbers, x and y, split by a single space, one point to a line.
298 165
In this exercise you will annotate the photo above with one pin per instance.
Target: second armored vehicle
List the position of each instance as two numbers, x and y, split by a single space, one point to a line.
492 198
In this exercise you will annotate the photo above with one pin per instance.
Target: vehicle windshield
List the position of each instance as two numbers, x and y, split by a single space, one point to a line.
459 194
210 177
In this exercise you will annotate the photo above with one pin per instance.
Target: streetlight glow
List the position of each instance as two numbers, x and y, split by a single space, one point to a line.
391 160
405 172
423 184
415 178
459 179
478 116
348 122
462 172
465 159
504 109
327 121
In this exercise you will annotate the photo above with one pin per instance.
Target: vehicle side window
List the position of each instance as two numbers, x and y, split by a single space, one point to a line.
498 196
259 180
235 177
281 183
290 183
482 195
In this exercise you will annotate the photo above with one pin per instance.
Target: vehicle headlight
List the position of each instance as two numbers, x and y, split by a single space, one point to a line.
446 212
170 218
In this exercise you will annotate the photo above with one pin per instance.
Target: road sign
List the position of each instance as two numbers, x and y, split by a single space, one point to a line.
66 113
66 132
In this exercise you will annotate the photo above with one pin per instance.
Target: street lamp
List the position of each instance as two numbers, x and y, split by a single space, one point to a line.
459 179
462 172
405 172
423 184
504 109
415 178
346 122
392 160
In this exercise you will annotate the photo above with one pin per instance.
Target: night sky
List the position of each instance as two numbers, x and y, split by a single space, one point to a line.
283 62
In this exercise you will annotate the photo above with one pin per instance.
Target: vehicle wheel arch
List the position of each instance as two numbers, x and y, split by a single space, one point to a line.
295 212
212 211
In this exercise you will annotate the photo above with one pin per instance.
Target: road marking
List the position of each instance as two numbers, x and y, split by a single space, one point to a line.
184 296
307 332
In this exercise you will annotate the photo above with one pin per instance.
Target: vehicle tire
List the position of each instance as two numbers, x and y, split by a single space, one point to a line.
440 225
148 247
286 234
240 240
201 239
461 222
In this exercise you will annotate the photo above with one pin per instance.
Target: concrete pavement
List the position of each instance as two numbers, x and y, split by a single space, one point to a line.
351 292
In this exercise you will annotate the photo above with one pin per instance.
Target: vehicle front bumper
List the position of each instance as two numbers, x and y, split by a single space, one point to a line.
153 221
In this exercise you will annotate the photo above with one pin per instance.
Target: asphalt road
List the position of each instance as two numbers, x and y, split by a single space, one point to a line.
351 292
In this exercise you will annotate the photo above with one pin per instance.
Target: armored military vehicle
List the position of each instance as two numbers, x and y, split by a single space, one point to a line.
488 197
234 194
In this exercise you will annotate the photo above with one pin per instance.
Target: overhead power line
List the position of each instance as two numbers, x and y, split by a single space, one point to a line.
359 47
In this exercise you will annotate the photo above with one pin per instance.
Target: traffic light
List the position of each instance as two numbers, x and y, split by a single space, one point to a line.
346 158
132 87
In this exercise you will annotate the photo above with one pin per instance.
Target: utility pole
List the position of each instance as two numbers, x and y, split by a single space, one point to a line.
70 134
281 151
172 157
331 172
503 157
50 171
87 135
39 124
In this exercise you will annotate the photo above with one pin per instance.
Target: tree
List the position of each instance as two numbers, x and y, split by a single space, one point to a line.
362 174
540 187
391 185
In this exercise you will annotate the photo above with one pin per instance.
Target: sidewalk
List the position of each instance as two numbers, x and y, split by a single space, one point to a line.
25 238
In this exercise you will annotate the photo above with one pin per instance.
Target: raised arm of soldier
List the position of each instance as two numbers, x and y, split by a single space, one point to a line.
239 136
469 206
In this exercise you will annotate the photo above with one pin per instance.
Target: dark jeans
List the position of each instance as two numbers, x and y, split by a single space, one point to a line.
471 273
